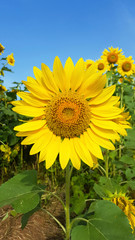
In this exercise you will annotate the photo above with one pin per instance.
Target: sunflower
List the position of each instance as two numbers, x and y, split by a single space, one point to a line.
112 56
2 88
126 66
10 59
1 49
73 114
89 63
102 66
126 205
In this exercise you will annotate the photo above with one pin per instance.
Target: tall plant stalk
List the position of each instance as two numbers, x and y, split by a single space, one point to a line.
67 209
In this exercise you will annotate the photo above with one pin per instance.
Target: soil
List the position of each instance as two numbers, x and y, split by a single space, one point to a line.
40 226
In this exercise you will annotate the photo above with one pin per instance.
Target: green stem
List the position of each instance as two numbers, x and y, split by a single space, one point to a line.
56 220
21 155
67 209
53 194
106 163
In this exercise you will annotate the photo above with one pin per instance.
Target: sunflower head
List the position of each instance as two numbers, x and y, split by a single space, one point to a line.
89 63
2 88
126 66
1 49
73 114
10 59
102 65
126 205
112 56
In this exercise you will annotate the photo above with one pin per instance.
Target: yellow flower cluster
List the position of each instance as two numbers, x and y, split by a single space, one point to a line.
113 57
6 152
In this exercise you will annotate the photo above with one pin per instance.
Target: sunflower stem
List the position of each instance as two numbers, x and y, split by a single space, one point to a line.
21 155
67 209
106 163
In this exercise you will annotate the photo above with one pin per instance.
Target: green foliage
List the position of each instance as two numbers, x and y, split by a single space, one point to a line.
107 222
21 191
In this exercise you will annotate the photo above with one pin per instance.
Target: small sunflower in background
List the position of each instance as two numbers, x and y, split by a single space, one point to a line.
1 49
126 205
102 65
10 59
126 66
112 56
73 114
2 88
89 63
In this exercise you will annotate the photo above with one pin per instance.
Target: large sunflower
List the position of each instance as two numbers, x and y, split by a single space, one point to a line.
126 66
73 114
112 56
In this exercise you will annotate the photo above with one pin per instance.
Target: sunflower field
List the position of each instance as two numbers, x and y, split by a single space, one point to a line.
69 134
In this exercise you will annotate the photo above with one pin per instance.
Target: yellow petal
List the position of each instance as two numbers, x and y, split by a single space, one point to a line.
41 142
106 133
49 79
19 103
103 96
37 90
23 134
105 117
38 75
30 126
52 151
42 154
64 152
77 74
59 74
31 79
101 141
92 146
93 85
90 71
112 101
69 67
103 112
82 151
105 124
33 137
74 156
29 111
30 99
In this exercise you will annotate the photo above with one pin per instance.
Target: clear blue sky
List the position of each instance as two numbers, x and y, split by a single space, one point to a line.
38 30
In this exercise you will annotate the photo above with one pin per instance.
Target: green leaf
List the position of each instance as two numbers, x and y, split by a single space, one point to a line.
107 223
26 216
21 191
131 184
106 186
127 159
130 173
78 203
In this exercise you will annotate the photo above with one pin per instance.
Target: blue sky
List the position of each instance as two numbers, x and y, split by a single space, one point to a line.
37 31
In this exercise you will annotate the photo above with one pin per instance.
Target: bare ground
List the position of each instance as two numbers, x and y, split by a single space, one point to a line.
39 227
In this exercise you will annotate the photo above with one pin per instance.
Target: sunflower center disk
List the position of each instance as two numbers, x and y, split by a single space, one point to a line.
126 66
112 58
67 115
100 66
